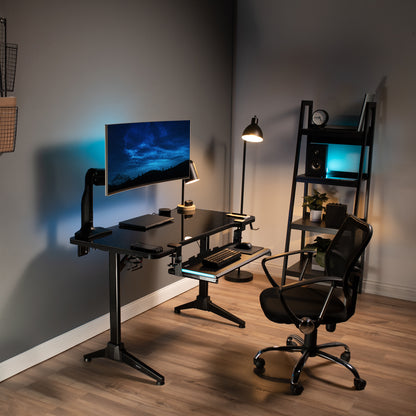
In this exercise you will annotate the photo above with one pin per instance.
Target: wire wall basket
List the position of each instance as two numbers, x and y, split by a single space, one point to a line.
8 60
8 129
8 108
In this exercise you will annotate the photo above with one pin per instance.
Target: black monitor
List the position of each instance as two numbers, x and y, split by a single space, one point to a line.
145 153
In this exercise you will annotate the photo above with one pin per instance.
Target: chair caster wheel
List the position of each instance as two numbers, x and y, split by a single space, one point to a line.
359 383
259 363
177 310
346 356
87 360
290 342
296 389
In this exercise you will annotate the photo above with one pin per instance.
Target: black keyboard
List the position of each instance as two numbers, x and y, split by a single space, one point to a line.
221 258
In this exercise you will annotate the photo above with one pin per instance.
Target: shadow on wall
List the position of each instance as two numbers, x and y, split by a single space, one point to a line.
56 293
60 173
283 149
59 291
217 154
381 176
60 177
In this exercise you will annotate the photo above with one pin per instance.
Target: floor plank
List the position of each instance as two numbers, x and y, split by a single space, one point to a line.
207 364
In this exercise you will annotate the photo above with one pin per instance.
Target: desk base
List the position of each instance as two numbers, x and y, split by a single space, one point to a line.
118 353
204 303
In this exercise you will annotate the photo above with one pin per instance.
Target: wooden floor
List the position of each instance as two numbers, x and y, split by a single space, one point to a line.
207 363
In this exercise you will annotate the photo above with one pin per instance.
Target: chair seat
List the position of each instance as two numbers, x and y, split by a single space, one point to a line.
304 302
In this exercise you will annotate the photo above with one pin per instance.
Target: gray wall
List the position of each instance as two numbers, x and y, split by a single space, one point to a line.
331 52
82 64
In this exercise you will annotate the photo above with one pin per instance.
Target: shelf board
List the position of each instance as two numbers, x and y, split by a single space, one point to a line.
349 182
335 135
296 269
305 224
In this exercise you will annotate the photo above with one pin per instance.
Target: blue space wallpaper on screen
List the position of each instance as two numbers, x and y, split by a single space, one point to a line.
139 154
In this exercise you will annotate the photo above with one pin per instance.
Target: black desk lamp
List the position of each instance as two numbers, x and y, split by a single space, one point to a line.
187 206
253 134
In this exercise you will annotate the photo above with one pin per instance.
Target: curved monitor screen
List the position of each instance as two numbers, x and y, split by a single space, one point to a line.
139 154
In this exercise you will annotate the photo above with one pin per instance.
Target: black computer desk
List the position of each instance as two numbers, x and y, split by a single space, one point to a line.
167 240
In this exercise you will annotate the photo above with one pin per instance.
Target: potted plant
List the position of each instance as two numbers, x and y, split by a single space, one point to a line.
315 203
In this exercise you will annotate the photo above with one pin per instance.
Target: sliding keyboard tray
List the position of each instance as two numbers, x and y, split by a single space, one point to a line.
200 272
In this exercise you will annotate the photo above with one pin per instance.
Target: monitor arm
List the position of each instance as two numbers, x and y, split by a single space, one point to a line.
88 231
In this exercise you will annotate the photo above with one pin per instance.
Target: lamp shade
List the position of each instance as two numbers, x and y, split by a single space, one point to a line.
193 177
193 173
253 133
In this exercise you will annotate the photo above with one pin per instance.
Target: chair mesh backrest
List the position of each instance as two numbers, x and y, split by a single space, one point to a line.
343 253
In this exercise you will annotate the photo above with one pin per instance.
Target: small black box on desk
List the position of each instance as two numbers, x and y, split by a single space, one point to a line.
335 215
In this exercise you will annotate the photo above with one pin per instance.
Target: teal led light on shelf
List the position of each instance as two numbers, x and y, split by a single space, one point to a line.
196 273
344 158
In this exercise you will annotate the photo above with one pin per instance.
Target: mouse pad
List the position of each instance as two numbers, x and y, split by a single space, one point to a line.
252 250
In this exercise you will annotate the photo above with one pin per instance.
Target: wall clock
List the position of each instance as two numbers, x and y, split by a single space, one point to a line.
320 118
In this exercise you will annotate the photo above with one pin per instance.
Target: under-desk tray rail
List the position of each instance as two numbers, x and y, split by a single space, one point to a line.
200 272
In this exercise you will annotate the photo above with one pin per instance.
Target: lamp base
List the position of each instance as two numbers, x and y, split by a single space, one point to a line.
239 276
186 209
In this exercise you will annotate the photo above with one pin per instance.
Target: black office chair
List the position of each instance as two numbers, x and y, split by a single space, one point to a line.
326 300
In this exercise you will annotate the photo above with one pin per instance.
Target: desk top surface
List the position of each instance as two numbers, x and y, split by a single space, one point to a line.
184 229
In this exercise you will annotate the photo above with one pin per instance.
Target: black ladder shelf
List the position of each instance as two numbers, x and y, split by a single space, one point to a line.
359 182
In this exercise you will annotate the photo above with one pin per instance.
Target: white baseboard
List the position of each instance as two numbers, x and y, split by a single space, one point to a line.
63 342
369 286
389 290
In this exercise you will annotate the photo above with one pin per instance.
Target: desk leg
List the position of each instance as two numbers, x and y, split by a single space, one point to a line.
115 348
204 303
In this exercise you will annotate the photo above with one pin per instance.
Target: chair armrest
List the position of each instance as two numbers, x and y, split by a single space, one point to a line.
320 279
278 256
288 253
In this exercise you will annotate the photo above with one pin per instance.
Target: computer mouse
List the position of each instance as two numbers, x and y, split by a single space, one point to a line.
244 245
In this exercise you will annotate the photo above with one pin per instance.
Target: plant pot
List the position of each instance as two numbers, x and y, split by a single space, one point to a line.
317 263
316 215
